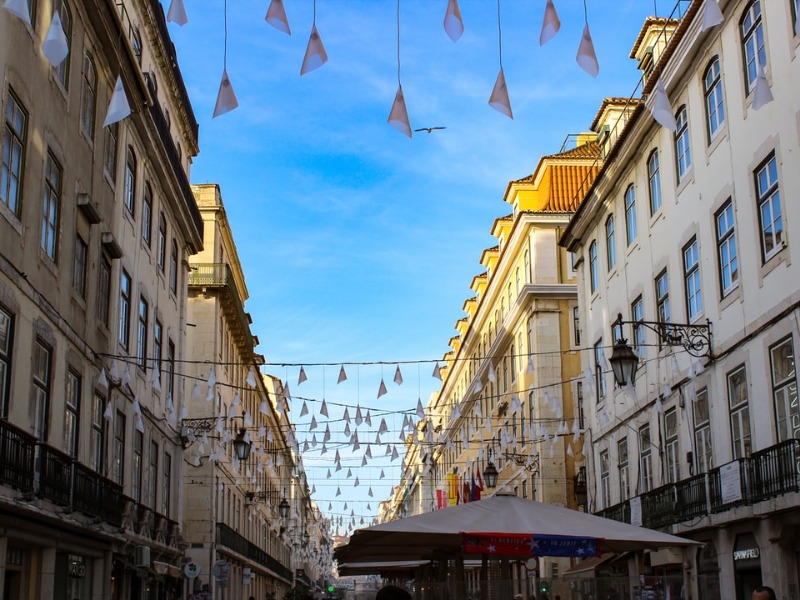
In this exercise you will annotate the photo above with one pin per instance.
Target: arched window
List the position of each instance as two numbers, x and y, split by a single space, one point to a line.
715 106
593 274
129 193
62 70
88 96
683 155
611 243
753 51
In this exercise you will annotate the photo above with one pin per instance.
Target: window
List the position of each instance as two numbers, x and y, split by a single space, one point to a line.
631 229
637 314
50 206
654 182
166 484
173 267
593 274
124 310
40 390
88 96
162 242
740 412
605 483
576 324
691 277
129 193
600 378
784 390
14 139
752 31
769 208
662 297
726 249
153 474
118 456
79 267
104 291
579 395
683 155
136 42
645 461
715 106
110 156
6 346
158 345
513 364
611 247
702 433
138 465
672 453
171 366
147 215
98 441
622 461
141 346
72 413
62 70
795 5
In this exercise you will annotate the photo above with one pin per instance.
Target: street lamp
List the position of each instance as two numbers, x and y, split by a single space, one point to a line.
624 362
490 475
283 509
241 445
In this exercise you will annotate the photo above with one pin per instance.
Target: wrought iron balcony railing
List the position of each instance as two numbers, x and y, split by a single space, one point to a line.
230 539
17 454
765 474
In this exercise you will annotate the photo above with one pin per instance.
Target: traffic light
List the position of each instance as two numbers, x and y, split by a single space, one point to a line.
330 589
544 587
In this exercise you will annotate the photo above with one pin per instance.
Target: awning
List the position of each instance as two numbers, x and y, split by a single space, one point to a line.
588 567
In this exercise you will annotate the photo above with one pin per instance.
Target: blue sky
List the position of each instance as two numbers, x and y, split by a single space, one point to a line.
359 244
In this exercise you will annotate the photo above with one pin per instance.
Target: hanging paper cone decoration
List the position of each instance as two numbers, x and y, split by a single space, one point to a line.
398 376
761 93
453 24
342 376
304 410
437 371
323 410
19 8
55 46
276 16
251 378
420 409
315 53
102 381
499 98
382 388
398 116
491 375
226 98
382 475
550 24
302 376
712 15
156 381
661 108
586 58
177 13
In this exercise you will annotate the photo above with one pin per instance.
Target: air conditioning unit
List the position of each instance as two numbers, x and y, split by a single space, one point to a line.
141 556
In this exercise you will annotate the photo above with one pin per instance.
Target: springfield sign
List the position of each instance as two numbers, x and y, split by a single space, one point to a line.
521 544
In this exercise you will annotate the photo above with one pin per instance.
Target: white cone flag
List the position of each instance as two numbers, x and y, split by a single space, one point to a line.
453 24
398 116
315 56
586 58
398 376
761 93
550 24
499 98
226 98
661 108
342 376
712 15
381 389
177 13
19 8
55 46
276 16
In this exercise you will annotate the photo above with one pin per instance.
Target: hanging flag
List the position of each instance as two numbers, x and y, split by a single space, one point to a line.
342 375
382 388
398 376
302 376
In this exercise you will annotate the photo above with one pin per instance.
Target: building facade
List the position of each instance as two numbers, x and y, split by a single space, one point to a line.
693 227
95 227
249 520
511 380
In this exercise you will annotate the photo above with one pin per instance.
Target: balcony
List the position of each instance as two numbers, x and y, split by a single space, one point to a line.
17 452
96 496
230 539
766 474
219 275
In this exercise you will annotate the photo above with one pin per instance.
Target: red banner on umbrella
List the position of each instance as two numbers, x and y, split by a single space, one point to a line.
501 544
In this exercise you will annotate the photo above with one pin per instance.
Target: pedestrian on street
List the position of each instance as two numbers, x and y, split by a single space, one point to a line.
764 592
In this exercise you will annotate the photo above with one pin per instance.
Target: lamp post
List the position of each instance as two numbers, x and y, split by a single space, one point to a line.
624 363
490 475
241 445
283 509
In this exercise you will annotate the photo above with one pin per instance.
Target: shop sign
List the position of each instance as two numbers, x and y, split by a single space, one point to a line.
730 482
746 553
636 510
220 571
191 570
77 566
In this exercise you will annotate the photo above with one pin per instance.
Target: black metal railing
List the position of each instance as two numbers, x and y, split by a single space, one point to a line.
230 539
96 496
55 475
765 474
17 453
218 275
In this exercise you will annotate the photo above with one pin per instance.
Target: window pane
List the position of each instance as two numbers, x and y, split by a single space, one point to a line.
13 154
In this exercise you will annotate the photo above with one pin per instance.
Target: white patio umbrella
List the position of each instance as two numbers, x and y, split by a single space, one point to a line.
503 525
